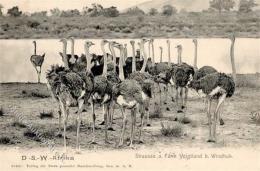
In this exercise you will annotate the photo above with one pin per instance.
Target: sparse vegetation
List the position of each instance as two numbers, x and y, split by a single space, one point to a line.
157 113
184 120
18 124
171 129
35 93
5 140
44 114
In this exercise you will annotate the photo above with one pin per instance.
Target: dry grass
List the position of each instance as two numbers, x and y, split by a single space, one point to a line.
184 120
18 124
34 93
157 113
171 129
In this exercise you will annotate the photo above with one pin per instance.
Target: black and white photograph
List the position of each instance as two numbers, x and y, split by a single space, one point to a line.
130 85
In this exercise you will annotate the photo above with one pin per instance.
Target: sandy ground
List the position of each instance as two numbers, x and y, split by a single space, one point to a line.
239 130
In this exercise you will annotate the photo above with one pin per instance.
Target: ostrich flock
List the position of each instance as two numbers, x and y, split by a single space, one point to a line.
129 83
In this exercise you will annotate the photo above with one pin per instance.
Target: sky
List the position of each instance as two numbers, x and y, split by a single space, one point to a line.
46 5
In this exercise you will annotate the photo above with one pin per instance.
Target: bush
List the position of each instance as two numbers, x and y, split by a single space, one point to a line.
171 129
2 111
33 24
46 114
157 113
14 12
127 30
18 124
111 12
34 93
5 140
168 10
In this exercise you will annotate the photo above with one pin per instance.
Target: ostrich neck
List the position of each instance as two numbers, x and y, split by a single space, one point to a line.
88 57
72 49
134 59
153 54
195 55
179 56
232 56
145 57
161 56
121 70
105 60
169 54
35 52
149 50
113 55
65 58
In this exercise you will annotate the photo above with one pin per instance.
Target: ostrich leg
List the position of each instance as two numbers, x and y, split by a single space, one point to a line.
121 140
133 115
185 98
65 116
220 102
142 123
94 120
80 106
209 119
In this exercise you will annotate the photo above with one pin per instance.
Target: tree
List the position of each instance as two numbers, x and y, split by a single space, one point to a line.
1 6
246 6
55 12
153 11
168 10
14 12
70 13
110 12
135 11
39 14
221 5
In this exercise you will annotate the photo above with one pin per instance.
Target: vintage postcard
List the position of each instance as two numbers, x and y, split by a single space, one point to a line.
130 85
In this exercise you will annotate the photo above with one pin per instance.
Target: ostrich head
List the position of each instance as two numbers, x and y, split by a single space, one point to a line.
34 42
195 41
72 39
89 44
179 47
194 84
132 42
104 42
63 40
232 38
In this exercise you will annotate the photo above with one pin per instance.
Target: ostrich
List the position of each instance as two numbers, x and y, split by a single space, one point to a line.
128 94
103 91
183 73
37 61
70 88
145 80
216 86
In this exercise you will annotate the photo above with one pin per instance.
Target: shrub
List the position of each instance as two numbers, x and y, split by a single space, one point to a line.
46 114
18 124
2 111
157 113
127 30
184 120
34 93
171 129
5 140
33 24
14 12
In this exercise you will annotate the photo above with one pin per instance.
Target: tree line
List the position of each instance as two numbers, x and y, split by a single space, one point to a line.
244 6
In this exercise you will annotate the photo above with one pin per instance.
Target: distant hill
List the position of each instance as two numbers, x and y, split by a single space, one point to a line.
188 5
